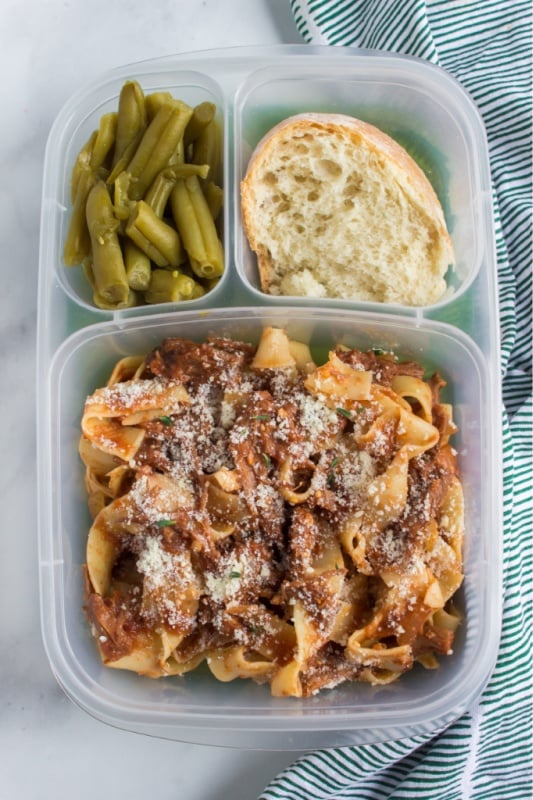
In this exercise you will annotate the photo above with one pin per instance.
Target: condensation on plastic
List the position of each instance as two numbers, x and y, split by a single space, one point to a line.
77 344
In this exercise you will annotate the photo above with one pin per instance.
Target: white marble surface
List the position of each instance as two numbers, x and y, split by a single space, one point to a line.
48 747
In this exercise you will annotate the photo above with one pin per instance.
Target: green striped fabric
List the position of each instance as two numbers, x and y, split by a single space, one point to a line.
486 754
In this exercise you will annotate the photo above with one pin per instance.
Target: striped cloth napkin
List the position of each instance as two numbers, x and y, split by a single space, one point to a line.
486 754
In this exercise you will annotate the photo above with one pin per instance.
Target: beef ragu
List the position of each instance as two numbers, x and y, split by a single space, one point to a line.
294 524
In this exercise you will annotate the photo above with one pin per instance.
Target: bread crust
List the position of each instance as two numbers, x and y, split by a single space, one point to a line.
412 179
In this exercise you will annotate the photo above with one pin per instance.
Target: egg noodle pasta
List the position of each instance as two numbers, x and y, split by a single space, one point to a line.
295 524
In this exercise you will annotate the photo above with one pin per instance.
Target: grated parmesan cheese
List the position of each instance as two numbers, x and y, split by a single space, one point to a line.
162 568
224 587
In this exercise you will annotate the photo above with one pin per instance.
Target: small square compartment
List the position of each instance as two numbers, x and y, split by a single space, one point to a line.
72 128
416 103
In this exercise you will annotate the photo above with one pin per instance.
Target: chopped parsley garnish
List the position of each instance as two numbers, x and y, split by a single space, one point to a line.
235 575
166 420
331 475
261 416
164 523
266 459
256 628
344 412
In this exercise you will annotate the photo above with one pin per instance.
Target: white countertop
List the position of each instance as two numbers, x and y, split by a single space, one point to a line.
49 748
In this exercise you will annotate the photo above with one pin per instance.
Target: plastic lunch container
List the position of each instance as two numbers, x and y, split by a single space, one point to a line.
428 112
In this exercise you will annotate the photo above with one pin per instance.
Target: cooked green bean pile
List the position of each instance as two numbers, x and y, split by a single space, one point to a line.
146 200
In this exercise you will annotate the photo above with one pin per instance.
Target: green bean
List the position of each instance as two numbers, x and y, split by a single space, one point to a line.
138 266
214 197
157 145
188 170
198 291
105 140
131 121
78 242
205 220
178 156
133 299
202 115
159 192
207 149
197 228
87 266
159 241
107 263
166 287
82 164
124 160
123 205
154 101
186 222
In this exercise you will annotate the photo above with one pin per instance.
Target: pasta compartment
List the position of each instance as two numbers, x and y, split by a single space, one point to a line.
189 698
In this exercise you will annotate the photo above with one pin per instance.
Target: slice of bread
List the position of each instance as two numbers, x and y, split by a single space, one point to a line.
333 207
